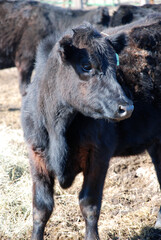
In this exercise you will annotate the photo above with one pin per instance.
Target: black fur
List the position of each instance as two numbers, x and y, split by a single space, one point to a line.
65 112
78 76
128 13
25 23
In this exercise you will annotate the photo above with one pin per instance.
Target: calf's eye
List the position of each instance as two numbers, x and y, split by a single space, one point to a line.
86 67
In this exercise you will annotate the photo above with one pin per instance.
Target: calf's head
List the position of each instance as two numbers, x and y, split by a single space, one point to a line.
87 74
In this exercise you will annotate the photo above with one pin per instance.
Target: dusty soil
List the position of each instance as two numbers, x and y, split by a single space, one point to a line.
131 194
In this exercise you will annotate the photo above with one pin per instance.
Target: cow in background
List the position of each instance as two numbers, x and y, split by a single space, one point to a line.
128 13
23 24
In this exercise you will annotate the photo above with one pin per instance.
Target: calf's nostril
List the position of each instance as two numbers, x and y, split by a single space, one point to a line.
122 110
125 110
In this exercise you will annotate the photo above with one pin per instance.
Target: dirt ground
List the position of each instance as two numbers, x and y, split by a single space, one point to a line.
131 196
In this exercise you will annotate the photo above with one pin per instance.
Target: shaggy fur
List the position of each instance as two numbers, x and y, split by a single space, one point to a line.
61 113
139 74
77 77
143 78
24 23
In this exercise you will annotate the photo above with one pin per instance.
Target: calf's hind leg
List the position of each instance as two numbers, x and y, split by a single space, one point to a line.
42 194
91 194
155 153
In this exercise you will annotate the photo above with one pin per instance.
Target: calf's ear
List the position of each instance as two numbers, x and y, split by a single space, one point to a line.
118 42
65 47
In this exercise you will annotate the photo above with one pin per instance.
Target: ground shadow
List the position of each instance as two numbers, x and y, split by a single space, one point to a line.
148 233
9 109
13 109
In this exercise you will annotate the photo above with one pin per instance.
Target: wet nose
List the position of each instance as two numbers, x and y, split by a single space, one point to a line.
124 111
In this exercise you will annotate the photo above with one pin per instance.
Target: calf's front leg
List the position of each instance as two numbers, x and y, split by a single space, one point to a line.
43 202
91 194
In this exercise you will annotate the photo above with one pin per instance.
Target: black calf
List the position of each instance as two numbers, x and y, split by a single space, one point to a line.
62 111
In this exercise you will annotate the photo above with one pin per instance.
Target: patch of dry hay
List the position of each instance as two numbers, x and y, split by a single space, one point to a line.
131 194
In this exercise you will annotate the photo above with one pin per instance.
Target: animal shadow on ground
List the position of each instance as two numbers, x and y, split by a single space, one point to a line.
12 109
148 233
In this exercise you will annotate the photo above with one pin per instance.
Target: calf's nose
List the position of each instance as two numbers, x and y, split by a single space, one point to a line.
125 111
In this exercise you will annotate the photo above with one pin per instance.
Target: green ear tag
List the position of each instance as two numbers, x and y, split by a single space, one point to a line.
117 59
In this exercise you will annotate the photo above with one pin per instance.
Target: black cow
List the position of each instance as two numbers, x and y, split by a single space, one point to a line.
24 23
139 74
74 84
128 13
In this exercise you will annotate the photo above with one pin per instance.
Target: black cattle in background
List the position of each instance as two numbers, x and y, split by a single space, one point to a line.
128 13
23 24
139 74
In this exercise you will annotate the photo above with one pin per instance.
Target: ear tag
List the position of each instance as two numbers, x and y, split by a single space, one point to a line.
117 59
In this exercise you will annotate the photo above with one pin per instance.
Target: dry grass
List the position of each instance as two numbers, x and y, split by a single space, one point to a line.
131 194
